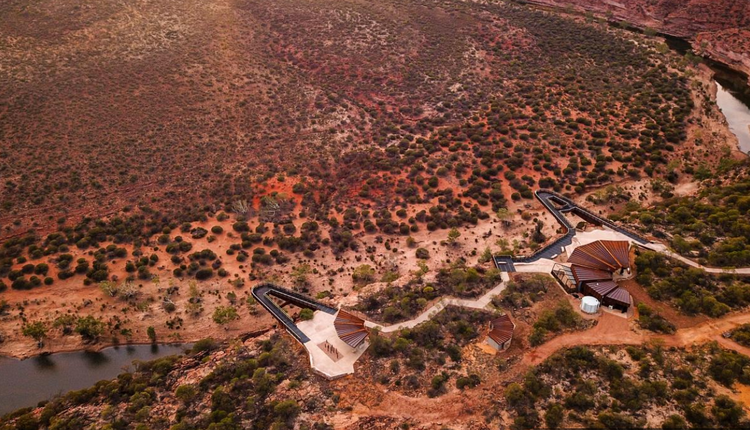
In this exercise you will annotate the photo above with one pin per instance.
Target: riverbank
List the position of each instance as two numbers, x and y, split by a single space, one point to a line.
44 377
18 350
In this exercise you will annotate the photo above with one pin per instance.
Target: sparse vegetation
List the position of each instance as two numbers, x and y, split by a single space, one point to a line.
555 321
394 304
650 320
614 394
691 290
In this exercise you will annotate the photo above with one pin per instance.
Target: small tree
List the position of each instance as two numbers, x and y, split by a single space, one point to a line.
151 332
364 274
36 330
89 327
554 415
486 255
225 314
453 236
109 288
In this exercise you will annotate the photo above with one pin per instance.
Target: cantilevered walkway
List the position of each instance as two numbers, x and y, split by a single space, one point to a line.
330 356
558 205
262 293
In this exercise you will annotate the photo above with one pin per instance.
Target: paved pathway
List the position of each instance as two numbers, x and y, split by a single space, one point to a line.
658 247
558 205
313 333
479 303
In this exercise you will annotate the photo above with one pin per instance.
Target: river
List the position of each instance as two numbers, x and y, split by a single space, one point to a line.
26 382
737 114
732 97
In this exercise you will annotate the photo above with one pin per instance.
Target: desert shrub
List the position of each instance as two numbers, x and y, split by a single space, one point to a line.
692 290
203 274
89 328
224 314
563 317
741 334
363 274
650 320
525 290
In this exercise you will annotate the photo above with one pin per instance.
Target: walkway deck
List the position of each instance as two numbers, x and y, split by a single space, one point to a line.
262 293
320 330
479 303
558 205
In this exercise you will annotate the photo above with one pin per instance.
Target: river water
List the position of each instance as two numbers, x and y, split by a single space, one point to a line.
732 97
737 114
26 382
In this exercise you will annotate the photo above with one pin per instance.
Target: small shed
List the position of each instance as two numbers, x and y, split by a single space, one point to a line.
501 333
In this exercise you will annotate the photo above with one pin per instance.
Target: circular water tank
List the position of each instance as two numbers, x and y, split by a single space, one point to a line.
590 305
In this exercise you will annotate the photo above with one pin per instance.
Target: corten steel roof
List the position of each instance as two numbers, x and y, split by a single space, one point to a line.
502 329
585 274
609 255
350 328
601 289
619 295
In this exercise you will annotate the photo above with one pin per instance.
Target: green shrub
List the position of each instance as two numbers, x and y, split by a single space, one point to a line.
306 314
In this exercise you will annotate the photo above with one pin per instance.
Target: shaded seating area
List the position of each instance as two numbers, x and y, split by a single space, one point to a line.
350 328
501 333
619 298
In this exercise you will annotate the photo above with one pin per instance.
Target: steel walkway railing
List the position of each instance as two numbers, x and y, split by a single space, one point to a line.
261 293
548 198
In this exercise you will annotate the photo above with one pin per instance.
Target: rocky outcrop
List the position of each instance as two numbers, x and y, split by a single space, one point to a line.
681 18
730 47
716 28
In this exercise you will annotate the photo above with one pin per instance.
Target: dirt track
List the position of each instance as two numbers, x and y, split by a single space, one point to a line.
613 330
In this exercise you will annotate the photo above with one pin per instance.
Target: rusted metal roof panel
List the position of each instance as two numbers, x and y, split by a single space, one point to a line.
601 289
620 296
620 250
609 255
350 328
585 274
502 329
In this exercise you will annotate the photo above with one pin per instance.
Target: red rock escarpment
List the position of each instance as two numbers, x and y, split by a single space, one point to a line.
716 28
731 47
681 18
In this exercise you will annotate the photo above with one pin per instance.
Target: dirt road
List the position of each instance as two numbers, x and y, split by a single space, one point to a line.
613 330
